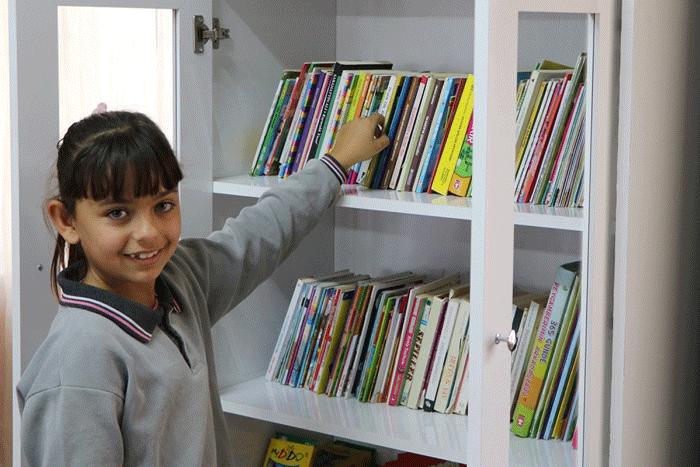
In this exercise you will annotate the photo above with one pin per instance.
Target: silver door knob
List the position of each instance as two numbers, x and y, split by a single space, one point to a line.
511 340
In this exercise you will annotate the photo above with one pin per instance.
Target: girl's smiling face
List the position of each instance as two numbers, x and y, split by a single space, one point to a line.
127 242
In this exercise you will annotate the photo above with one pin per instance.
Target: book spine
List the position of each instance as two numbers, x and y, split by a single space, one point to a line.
332 342
409 130
297 125
324 331
323 117
522 350
533 137
461 178
461 401
276 100
451 357
400 133
338 365
298 332
542 352
381 388
448 128
446 165
284 332
311 123
447 88
364 167
436 366
417 159
383 157
333 118
404 353
534 170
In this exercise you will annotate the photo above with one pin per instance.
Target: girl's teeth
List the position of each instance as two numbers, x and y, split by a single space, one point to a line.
144 255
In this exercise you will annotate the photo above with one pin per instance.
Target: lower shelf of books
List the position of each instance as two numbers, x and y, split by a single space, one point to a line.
380 425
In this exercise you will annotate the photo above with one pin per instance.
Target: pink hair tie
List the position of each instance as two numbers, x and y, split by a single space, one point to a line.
101 107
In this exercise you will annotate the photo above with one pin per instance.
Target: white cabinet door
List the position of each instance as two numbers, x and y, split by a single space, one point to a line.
34 80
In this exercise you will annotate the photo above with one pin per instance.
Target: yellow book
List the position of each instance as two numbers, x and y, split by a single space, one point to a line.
530 125
332 338
283 453
358 84
456 136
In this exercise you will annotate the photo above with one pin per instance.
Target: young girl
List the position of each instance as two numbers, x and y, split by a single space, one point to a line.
126 376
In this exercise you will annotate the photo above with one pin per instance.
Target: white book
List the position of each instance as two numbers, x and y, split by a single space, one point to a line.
425 329
438 360
285 330
453 334
460 397
417 393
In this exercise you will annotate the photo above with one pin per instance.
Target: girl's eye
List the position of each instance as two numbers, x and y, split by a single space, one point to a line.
116 214
165 206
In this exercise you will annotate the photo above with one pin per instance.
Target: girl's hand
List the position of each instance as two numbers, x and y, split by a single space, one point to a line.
359 139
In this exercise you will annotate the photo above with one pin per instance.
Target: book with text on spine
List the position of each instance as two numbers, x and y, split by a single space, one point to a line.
540 358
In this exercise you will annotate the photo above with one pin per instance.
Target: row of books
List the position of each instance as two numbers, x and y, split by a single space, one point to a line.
400 339
550 135
544 367
427 118
304 115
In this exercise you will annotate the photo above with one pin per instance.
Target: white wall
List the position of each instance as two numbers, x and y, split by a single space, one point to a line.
5 246
656 343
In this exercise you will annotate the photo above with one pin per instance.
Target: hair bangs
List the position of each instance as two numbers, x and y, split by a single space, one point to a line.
121 166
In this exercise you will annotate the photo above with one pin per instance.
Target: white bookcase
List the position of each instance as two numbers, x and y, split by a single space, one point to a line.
486 238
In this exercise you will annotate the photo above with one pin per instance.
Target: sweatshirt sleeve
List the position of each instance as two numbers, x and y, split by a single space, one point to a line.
250 246
72 426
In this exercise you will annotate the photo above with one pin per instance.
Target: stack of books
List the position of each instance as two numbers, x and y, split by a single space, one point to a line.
400 339
403 339
549 135
544 370
427 118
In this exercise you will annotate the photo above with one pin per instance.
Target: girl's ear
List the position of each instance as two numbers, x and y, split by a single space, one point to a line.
63 221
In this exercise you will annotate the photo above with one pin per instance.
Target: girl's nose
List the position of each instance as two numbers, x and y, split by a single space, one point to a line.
145 228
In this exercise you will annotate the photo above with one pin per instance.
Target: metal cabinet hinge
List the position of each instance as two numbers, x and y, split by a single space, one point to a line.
202 34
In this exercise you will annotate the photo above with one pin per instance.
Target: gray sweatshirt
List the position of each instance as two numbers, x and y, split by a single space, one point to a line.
118 384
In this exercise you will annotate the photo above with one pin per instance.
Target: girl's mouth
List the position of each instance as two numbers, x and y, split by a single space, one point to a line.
144 255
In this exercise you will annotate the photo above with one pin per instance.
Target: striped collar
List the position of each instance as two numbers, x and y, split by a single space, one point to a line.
135 319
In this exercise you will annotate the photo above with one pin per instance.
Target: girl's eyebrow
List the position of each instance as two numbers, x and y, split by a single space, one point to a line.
160 195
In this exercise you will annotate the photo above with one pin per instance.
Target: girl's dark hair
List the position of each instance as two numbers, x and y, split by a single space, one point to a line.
96 158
